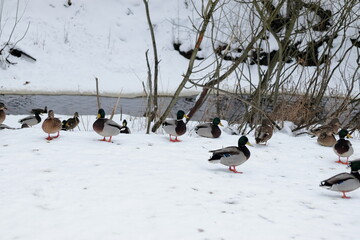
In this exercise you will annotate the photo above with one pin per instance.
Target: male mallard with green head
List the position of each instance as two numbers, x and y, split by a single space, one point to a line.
343 147
264 132
344 182
124 128
105 127
71 123
232 156
30 120
2 112
209 130
175 127
51 125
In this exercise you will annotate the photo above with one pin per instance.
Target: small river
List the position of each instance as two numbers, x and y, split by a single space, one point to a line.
87 105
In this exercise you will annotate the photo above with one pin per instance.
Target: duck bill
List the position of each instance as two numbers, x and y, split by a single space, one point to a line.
220 124
98 116
349 136
248 143
186 116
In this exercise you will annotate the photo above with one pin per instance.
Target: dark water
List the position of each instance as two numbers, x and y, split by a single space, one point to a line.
87 105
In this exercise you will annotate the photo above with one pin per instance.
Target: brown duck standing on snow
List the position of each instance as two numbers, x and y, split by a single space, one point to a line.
105 127
264 132
51 125
2 113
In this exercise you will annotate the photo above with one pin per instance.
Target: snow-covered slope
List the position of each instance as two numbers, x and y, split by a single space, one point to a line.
108 39
104 39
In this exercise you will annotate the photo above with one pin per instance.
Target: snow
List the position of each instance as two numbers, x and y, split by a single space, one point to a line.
145 187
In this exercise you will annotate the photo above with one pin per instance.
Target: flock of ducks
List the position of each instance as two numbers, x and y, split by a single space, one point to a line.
231 156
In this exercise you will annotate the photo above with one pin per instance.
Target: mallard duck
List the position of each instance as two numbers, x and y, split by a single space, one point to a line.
105 127
343 147
39 110
2 112
264 132
51 125
209 130
30 120
333 126
71 123
175 127
326 139
232 156
124 128
344 182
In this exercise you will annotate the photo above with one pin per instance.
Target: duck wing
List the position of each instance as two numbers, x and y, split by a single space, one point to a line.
341 177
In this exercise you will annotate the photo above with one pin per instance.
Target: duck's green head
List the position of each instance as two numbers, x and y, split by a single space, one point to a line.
354 165
124 123
101 114
216 121
344 133
243 141
180 115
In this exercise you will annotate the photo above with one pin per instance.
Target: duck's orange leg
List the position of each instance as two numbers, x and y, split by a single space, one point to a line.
233 169
49 138
344 196
57 135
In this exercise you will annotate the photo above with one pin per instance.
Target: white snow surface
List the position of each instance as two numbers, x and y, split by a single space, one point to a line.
146 187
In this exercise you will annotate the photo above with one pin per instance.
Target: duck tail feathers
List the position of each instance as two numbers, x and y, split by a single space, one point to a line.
211 160
325 184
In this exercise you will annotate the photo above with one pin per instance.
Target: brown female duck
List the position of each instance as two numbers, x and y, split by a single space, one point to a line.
51 125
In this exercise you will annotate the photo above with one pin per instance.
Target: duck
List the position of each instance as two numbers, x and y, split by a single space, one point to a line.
51 125
344 182
30 120
105 127
343 147
326 139
333 126
175 127
71 123
232 156
2 112
210 129
39 110
264 132
124 128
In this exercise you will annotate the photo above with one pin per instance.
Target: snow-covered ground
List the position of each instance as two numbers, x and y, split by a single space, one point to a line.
145 187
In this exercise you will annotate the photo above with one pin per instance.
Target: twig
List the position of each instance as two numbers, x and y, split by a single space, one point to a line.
97 92
114 109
